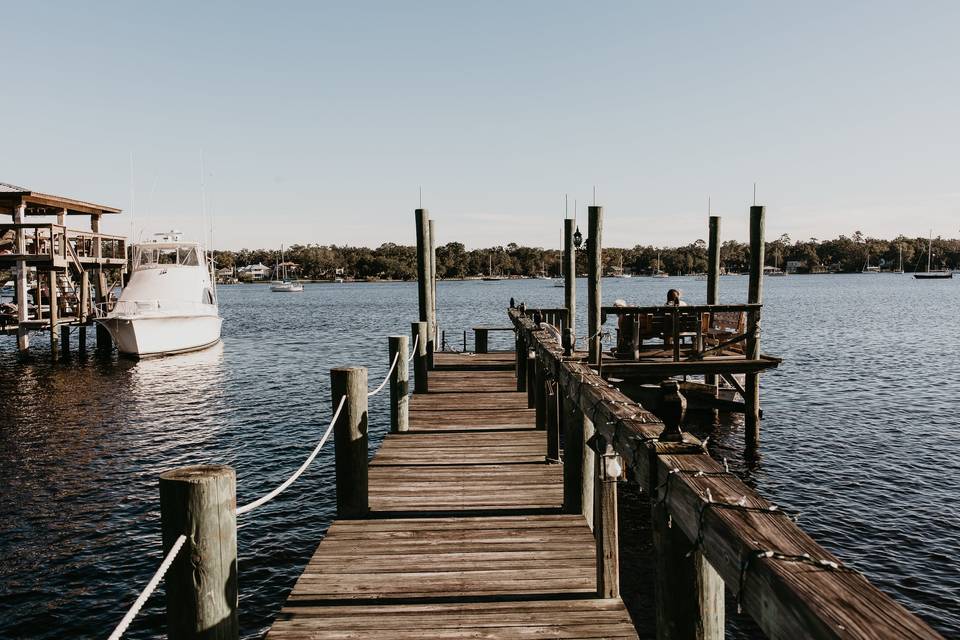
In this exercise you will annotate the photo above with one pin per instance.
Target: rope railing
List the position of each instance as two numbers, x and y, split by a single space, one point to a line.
148 590
413 351
386 378
296 474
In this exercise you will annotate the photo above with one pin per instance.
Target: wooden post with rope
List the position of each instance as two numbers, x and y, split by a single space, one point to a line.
424 281
751 415
200 502
594 271
350 441
713 274
570 275
399 385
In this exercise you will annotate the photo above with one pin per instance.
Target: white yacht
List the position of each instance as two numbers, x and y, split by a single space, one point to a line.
284 285
170 302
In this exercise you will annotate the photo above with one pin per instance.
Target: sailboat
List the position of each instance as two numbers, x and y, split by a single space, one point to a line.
490 277
928 274
900 268
867 268
656 272
619 272
284 285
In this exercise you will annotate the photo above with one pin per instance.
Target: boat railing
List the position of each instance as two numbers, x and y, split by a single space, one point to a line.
137 307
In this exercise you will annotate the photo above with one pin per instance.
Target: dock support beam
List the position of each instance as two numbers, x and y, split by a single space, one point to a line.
605 531
201 503
572 456
713 274
540 396
531 380
521 353
594 269
751 415
350 441
54 314
552 398
570 276
23 338
688 592
588 475
399 385
418 332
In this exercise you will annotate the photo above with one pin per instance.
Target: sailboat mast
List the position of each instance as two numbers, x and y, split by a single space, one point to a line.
929 249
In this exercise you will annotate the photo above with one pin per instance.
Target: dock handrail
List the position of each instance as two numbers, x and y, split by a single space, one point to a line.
756 549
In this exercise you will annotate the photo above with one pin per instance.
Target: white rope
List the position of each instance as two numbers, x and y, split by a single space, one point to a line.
154 581
273 494
387 378
413 353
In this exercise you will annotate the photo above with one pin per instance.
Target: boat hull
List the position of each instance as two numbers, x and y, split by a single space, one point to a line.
147 337
933 276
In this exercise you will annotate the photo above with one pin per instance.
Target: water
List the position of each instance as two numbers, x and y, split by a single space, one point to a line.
859 437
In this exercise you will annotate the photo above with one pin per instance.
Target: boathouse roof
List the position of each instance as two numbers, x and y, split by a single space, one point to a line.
44 204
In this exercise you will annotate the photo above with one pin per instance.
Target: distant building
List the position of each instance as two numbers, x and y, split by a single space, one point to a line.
254 272
793 266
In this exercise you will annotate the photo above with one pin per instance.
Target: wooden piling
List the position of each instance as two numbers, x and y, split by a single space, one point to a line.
424 284
418 332
104 342
350 441
594 271
540 397
572 456
521 353
713 274
531 381
399 385
588 474
688 593
570 274
754 296
23 338
433 288
201 583
65 339
552 417
605 531
54 314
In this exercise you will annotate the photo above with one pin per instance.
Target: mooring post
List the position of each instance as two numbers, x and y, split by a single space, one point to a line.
688 593
713 274
570 274
540 397
424 284
531 380
200 502
104 341
418 332
605 526
552 417
572 456
350 440
433 289
754 296
399 385
65 339
594 269
23 336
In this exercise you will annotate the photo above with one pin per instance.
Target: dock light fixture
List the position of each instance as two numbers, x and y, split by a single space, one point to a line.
577 238
612 464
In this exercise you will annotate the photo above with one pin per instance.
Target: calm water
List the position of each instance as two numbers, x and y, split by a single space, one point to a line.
860 437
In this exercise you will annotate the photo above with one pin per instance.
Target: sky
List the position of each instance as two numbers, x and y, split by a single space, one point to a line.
321 123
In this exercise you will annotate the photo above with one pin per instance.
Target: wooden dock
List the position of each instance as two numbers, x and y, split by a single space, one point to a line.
466 536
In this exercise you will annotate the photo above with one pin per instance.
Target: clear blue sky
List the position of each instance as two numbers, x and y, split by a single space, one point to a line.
319 123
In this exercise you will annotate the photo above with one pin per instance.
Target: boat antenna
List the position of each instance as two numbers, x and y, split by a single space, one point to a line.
566 205
754 194
594 195
133 201
421 196
709 209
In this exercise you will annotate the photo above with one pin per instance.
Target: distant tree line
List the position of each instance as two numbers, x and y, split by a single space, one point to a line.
399 262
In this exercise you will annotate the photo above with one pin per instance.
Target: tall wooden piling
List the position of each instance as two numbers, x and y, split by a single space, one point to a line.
531 380
588 475
54 314
594 271
350 441
23 337
521 353
754 296
570 275
424 283
418 333
433 288
399 385
201 583
713 274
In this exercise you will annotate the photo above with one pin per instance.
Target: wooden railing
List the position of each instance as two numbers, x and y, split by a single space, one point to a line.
56 244
709 529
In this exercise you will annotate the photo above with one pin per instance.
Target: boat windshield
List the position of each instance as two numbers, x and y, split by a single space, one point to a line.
150 257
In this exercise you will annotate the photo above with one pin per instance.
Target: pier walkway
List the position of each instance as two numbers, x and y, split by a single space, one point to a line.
466 537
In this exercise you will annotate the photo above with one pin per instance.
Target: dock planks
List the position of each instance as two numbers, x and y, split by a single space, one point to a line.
466 538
